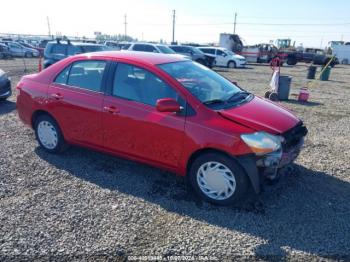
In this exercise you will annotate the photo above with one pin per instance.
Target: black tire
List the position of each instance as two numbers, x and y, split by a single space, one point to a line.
28 55
231 64
61 143
267 94
242 181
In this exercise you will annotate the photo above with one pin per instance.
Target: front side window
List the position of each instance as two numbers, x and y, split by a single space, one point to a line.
87 75
137 84
219 52
203 83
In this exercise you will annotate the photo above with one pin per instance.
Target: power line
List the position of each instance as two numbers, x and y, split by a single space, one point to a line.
234 25
174 14
125 27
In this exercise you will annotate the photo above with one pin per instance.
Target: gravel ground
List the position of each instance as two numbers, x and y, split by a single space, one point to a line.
87 205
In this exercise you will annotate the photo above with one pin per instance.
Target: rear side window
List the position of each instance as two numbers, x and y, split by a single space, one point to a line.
208 50
63 76
59 49
87 75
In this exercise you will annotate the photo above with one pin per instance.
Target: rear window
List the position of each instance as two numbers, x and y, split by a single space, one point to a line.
59 49
92 48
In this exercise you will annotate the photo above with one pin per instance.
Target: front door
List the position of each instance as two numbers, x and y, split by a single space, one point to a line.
131 123
221 58
75 100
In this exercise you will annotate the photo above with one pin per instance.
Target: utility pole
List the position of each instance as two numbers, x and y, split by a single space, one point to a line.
174 13
234 25
125 24
48 25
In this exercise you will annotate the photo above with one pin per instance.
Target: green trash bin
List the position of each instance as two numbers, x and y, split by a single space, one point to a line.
325 73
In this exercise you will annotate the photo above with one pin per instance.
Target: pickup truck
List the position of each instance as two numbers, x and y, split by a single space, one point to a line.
310 55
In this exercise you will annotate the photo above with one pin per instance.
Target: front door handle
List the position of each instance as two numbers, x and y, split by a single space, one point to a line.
57 96
111 109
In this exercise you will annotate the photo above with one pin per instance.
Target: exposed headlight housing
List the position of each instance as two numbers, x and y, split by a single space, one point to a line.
262 143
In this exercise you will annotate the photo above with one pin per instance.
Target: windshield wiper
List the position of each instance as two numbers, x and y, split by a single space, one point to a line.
214 101
238 96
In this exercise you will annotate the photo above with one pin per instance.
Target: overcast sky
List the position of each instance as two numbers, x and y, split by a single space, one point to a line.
311 22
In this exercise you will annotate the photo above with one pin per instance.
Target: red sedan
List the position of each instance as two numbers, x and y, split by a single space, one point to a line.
166 111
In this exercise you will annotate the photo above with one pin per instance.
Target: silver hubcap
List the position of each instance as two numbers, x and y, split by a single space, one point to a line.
47 135
216 180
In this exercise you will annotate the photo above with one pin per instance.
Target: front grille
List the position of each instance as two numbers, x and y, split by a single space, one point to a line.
293 136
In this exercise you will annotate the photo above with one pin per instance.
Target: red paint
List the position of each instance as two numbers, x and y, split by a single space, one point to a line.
303 94
141 132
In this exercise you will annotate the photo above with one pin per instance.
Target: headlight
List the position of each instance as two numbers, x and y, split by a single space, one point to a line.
262 143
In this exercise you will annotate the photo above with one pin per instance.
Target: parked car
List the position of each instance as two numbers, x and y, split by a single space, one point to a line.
58 50
195 54
19 50
225 57
112 45
5 86
4 51
148 47
166 111
39 49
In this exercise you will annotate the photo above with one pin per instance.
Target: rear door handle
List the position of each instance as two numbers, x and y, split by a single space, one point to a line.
57 96
111 109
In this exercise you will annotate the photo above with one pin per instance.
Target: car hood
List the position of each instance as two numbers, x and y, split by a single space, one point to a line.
238 56
262 115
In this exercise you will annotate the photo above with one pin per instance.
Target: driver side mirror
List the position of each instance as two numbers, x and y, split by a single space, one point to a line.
168 105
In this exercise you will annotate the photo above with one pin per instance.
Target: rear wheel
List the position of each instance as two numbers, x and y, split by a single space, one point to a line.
231 64
49 134
218 179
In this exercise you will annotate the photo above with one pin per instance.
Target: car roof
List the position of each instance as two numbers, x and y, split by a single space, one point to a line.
135 56
74 43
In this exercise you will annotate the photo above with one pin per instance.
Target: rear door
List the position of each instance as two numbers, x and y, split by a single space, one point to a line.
131 123
75 100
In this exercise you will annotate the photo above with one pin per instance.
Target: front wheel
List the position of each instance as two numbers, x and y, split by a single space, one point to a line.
218 179
231 64
28 55
49 134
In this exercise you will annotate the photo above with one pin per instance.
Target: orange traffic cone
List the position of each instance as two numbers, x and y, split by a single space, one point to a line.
40 64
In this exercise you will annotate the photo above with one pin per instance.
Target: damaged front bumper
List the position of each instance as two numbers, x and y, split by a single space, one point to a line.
280 158
268 165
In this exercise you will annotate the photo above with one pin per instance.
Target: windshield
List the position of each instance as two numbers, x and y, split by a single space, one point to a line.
165 49
203 83
229 52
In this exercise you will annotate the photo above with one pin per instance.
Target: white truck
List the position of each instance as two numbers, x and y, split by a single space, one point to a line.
231 42
342 52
